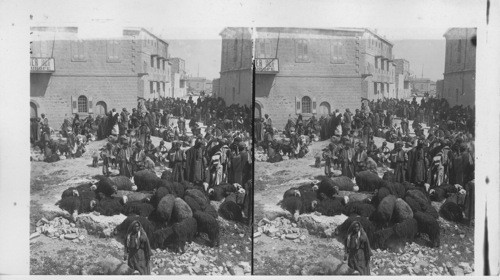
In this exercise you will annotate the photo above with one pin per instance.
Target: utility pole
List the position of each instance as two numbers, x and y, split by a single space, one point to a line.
198 69
422 71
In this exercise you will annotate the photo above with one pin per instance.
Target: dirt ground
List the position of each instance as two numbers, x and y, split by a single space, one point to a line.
50 256
275 256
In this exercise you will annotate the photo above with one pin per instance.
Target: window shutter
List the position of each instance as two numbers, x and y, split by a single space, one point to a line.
314 105
343 55
74 105
90 105
297 105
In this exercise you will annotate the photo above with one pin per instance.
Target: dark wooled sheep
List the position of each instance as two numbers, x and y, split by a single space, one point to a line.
406 230
158 195
236 197
146 180
165 207
179 189
210 210
331 206
292 204
109 206
291 192
121 229
181 210
389 176
428 225
217 193
397 189
166 175
106 187
167 185
209 225
385 210
382 237
327 188
308 199
419 197
192 204
380 194
162 237
69 192
368 181
451 211
199 196
76 205
140 208
310 187
367 225
129 196
344 183
75 191
402 211
359 208
442 192
123 183
184 231
230 211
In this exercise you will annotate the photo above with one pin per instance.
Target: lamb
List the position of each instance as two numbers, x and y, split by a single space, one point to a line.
381 238
106 187
109 206
181 210
368 181
199 196
142 209
451 211
146 180
428 225
165 207
327 188
402 211
331 206
359 208
208 224
121 229
166 175
406 230
123 183
367 225
230 211
184 231
385 210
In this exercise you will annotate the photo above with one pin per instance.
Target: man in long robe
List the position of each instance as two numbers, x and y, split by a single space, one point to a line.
346 158
124 156
195 162
398 162
417 164
177 159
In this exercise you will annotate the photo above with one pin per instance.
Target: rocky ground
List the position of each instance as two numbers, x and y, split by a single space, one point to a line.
310 246
59 247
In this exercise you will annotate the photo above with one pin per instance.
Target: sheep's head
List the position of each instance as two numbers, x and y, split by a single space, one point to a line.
75 193
115 188
134 188
205 186
93 204
314 204
315 187
93 187
124 199
336 188
355 188
462 192
427 186
211 191
237 186
432 192
458 187
296 193
346 199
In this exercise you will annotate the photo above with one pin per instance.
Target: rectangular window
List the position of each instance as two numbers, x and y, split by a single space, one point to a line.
235 50
382 87
376 62
337 52
158 87
152 61
164 64
301 51
158 60
459 51
113 51
78 51
151 87
375 88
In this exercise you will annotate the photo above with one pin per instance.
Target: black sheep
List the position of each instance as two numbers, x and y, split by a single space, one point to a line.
344 183
129 196
402 211
442 192
230 211
367 225
382 237
199 196
106 186
76 205
192 204
389 176
145 180
210 210
359 208
109 206
307 188
327 188
291 192
162 237
307 202
406 230
69 192
368 181
380 194
179 189
217 193
165 207
331 206
428 225
158 195
166 185
142 209
385 210
123 183
184 231
181 210
166 175
121 229
209 225
451 212
292 204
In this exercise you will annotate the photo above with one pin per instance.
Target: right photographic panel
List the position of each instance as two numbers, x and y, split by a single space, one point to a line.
364 152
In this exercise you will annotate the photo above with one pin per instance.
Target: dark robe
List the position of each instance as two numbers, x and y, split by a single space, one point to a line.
236 174
139 255
123 158
195 169
398 162
417 166
359 253
346 158
177 160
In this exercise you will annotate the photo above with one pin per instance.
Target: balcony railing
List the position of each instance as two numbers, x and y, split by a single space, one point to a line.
266 66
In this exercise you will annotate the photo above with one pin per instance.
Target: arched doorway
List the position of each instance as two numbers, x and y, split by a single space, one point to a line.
324 108
33 110
258 112
100 108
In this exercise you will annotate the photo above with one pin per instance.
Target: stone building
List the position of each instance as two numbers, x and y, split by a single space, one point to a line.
178 77
315 71
422 86
403 78
91 76
459 86
439 88
196 85
235 84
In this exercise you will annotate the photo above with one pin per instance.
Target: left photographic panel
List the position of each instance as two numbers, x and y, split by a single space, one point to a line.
141 152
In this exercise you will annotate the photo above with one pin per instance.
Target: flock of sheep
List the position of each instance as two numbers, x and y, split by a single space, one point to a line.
171 213
391 213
